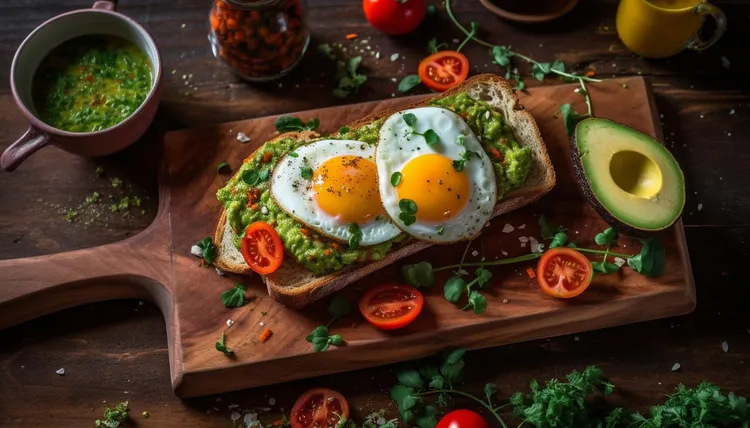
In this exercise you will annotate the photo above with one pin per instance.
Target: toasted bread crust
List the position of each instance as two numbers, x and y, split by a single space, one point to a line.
295 286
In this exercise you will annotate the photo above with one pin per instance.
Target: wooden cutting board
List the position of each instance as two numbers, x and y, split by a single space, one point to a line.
156 265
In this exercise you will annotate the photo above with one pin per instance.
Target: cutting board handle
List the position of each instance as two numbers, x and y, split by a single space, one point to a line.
133 268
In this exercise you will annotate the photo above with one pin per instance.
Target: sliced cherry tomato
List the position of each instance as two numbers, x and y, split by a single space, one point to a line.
319 408
261 248
391 306
462 419
564 272
394 17
444 70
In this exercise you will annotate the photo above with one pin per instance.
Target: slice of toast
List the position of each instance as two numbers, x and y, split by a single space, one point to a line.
294 286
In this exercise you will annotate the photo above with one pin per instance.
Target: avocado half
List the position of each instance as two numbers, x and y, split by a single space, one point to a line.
631 179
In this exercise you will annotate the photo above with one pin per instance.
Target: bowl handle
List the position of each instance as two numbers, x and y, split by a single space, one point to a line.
33 140
105 5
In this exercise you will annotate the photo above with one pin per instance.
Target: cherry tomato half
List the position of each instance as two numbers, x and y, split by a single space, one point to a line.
261 248
462 419
394 17
391 306
319 408
564 272
444 70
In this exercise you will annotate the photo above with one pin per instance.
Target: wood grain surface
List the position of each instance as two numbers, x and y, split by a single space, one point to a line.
117 350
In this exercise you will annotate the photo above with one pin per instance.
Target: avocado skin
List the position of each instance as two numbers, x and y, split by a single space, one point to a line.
583 183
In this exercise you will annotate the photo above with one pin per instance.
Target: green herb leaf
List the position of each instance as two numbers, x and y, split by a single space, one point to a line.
604 267
337 340
410 378
501 55
319 331
443 400
453 365
343 130
221 346
399 394
608 237
293 155
520 85
558 66
209 249
339 307
490 389
540 69
409 82
292 123
408 206
395 179
355 237
478 302
235 296
440 230
454 288
570 118
251 177
348 78
306 172
437 382
418 275
548 229
483 276
222 167
650 261
407 219
558 240
428 418
321 344
327 51
431 9
431 137
458 165
410 119
114 417
264 174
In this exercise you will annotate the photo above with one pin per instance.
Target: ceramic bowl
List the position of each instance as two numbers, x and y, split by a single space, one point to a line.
100 19
526 12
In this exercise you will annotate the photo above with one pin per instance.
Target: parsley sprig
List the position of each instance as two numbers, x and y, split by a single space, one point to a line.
355 236
321 339
293 123
113 417
348 77
408 211
235 296
430 136
459 164
208 248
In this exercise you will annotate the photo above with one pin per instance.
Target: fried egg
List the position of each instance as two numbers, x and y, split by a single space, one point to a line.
444 192
328 186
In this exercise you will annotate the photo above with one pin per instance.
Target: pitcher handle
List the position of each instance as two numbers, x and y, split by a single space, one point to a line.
706 9
33 140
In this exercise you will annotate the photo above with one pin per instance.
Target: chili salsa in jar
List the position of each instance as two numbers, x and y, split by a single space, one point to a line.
90 83
260 40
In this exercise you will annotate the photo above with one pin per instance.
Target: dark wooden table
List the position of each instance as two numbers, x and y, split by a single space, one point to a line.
117 351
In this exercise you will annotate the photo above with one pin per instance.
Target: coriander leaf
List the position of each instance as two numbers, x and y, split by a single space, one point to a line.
306 172
289 123
428 419
407 206
429 371
489 391
319 331
339 307
608 237
409 82
437 382
558 66
461 140
520 85
570 118
501 55
409 402
604 267
558 240
458 165
407 219
650 261
540 69
477 301
343 130
410 119
443 400
410 378
326 50
221 346
483 276
293 155
235 296
354 63
455 356
251 177
452 372
399 394
312 124
572 245
222 167
454 288
431 137
395 179
209 249
548 229
418 275
337 340
320 345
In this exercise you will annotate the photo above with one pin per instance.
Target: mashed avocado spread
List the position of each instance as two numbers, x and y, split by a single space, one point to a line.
246 204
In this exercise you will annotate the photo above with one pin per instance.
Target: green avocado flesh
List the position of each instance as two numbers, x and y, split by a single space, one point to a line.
631 179
511 162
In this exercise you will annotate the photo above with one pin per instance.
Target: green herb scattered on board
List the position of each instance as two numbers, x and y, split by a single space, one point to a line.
113 417
348 77
292 124
208 248
235 296
321 339
222 347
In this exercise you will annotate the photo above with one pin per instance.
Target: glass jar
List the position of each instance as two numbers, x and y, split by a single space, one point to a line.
260 40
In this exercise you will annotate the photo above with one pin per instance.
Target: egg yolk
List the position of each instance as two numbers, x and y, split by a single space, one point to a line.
346 188
439 191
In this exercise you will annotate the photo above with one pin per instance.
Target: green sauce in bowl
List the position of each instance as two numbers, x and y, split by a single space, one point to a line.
90 83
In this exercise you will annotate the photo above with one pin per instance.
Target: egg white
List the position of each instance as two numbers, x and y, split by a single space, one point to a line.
296 195
397 146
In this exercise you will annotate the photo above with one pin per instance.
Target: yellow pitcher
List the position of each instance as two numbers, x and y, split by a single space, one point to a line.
662 28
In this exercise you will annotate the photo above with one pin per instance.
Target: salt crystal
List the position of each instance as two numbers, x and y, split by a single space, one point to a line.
394 57
394 80
576 338
462 272
505 301
725 62
475 253
242 137
700 207
456 41
731 112
725 346
61 371
536 247
235 416
508 228
261 324
523 239
523 245
196 251
272 401
505 253
523 226
619 261
676 367
264 210
233 406
220 272
229 324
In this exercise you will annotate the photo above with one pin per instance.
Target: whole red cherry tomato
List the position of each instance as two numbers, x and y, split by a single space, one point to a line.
394 17
462 419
